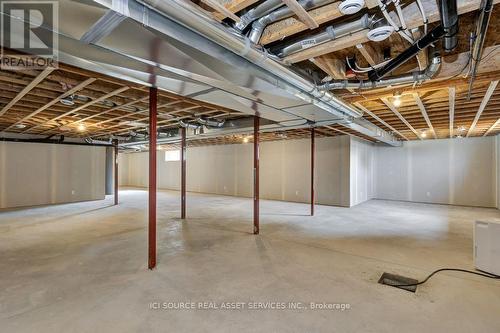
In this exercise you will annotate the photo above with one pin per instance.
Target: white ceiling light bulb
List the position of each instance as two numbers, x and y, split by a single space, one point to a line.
81 127
245 139
424 134
397 101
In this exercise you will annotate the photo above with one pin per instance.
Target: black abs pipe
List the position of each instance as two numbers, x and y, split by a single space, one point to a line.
449 21
431 37
447 29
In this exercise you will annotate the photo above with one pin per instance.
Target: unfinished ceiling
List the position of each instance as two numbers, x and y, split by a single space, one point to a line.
100 88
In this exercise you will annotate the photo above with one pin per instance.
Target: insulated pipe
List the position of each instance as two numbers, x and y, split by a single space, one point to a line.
259 25
434 35
257 12
449 21
414 77
330 33
186 14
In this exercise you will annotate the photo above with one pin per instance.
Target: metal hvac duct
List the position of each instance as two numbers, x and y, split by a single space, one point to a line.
257 12
210 123
259 25
330 33
449 21
413 77
186 14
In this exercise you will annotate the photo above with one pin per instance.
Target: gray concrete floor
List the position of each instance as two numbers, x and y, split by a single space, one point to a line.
82 267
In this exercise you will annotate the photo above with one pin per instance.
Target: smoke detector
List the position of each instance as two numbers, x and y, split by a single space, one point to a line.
380 33
348 7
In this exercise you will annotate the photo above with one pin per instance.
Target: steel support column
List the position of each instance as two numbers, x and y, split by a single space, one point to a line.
256 125
312 171
183 173
115 148
153 100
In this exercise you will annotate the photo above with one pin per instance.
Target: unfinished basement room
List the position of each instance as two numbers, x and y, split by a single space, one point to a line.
250 166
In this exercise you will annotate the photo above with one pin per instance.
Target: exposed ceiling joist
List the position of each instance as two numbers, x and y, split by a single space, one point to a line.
380 120
451 97
292 25
492 127
424 113
221 9
81 107
54 101
395 111
484 102
372 54
39 78
235 6
412 17
301 13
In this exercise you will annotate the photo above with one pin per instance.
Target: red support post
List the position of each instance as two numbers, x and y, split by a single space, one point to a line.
115 146
256 125
153 100
183 172
312 171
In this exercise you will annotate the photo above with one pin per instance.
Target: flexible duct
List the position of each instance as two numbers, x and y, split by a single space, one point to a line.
188 125
259 25
413 77
257 12
330 33
186 14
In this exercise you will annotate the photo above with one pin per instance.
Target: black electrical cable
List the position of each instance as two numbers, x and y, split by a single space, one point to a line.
488 275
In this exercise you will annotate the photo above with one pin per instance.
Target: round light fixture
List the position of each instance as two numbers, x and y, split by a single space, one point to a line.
380 33
349 7
397 102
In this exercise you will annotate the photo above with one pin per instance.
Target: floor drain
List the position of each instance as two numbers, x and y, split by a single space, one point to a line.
394 280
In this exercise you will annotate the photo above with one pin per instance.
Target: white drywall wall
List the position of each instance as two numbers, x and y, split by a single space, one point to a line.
37 174
362 154
228 169
448 171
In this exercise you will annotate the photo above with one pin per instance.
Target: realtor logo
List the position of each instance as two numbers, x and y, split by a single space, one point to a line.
28 40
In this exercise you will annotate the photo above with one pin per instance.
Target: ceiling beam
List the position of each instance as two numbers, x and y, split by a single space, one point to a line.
39 78
301 13
372 54
451 101
221 9
118 107
492 127
54 101
424 113
81 107
395 111
292 25
364 109
484 102
235 6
